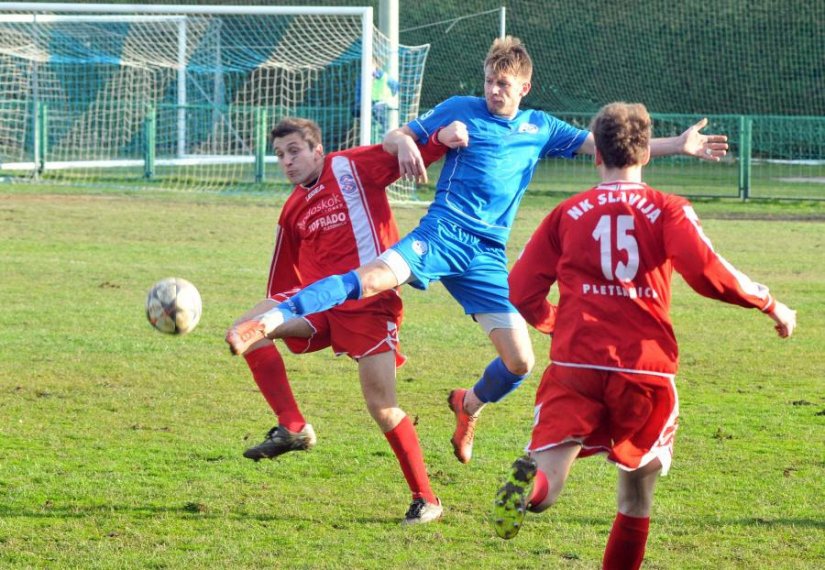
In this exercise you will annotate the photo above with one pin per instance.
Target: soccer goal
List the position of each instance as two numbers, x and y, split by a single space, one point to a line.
184 97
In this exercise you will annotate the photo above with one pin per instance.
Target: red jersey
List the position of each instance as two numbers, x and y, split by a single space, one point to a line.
342 221
612 250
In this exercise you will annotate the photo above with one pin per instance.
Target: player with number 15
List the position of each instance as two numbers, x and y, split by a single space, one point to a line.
610 388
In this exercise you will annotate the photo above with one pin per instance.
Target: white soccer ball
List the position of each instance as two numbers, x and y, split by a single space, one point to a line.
174 306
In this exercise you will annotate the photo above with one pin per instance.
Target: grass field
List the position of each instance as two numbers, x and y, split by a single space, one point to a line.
121 447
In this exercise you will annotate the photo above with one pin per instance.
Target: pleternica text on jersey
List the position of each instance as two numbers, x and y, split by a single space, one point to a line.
648 209
628 290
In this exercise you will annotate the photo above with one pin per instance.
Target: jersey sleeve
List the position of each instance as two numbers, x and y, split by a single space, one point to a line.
426 125
283 270
563 139
378 168
707 272
533 273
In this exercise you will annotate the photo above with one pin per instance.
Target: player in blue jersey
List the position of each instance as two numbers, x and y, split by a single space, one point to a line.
461 240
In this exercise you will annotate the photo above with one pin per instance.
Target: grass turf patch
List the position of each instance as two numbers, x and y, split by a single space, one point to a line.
121 447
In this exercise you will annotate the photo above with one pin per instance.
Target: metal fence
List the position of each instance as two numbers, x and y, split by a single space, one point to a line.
770 158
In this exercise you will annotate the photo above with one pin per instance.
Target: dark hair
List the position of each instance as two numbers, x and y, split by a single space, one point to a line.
309 130
622 133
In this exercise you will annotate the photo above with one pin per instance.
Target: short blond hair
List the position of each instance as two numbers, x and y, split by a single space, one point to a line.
622 133
508 55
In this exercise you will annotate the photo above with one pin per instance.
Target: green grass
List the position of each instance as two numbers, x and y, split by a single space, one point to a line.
120 447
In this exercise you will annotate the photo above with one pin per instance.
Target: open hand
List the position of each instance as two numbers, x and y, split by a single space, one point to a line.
706 147
410 162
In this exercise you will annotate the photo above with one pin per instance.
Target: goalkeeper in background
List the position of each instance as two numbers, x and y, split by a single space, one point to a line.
610 387
461 240
337 217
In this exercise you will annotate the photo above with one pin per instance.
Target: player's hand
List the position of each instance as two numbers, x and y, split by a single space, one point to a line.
785 319
706 147
410 163
454 135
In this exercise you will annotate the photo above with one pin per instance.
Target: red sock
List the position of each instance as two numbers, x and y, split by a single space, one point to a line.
404 442
626 545
269 373
540 489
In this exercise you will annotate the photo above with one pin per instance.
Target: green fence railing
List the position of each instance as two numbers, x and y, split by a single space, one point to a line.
780 158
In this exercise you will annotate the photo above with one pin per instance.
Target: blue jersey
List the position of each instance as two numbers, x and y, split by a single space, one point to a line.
481 186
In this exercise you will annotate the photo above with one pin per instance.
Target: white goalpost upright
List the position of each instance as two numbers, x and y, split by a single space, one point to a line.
184 96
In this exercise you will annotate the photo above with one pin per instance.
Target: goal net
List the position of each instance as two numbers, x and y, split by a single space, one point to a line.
184 97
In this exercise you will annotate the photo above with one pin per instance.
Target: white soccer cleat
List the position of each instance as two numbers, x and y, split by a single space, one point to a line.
421 512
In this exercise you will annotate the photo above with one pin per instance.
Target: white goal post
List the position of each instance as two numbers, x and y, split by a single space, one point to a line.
185 95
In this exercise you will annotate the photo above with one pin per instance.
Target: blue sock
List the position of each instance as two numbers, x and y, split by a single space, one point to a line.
352 285
322 295
496 382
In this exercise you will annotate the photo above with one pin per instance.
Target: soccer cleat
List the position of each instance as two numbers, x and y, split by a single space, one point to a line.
510 504
465 427
280 440
421 511
243 335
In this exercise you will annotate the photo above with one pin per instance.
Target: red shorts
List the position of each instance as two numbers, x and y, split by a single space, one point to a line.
631 417
356 328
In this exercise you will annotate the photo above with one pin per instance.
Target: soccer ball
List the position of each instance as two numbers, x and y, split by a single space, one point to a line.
173 306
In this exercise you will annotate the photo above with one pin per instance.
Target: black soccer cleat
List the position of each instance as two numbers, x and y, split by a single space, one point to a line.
280 440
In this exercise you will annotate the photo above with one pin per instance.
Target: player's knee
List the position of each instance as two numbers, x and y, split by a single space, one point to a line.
370 284
387 417
376 280
519 364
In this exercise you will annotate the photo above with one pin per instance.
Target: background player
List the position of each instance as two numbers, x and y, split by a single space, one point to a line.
337 218
461 240
610 387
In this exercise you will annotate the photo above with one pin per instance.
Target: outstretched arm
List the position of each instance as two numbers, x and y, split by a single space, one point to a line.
691 143
709 274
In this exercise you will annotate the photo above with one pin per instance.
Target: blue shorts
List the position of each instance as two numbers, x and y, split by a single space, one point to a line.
473 269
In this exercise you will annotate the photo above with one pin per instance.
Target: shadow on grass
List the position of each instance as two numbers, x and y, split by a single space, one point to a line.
197 511
714 521
193 510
